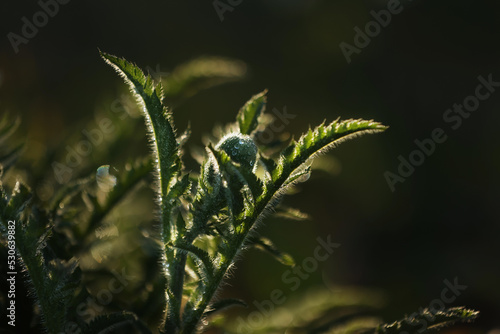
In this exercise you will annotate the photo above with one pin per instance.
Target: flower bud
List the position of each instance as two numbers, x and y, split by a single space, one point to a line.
240 148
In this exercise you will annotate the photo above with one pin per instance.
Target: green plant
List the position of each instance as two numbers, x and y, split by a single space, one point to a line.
205 220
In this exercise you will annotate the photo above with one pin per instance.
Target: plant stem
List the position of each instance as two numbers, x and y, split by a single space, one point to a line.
191 323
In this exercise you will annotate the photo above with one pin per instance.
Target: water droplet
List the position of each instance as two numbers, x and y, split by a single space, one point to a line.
105 181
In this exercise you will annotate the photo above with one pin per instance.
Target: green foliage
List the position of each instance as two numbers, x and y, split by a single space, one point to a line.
52 282
249 115
205 220
228 199
428 321
343 310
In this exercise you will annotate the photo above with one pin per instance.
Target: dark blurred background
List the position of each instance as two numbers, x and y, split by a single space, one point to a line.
441 223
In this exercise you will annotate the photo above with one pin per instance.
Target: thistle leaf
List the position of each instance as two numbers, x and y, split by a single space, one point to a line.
434 321
319 140
182 187
249 114
166 151
158 120
52 282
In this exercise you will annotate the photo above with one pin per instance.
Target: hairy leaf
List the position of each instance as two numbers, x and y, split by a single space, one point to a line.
249 114
159 123
317 141
433 321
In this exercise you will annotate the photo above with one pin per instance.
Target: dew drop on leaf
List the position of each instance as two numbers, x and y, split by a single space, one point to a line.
105 181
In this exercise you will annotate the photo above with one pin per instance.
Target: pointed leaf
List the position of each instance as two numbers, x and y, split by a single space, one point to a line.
158 121
249 114
318 140
20 197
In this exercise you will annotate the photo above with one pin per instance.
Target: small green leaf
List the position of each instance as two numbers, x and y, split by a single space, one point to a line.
249 114
206 202
317 141
182 187
19 199
210 177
